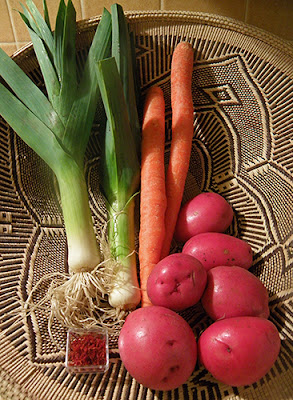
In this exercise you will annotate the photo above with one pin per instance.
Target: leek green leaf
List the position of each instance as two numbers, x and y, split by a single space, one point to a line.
82 114
25 20
29 93
68 65
122 51
48 71
46 14
28 19
41 28
120 162
32 130
58 37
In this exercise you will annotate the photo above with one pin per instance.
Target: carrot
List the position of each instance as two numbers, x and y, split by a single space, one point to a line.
152 196
182 133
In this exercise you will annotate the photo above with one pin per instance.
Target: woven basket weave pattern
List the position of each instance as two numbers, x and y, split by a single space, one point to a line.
242 149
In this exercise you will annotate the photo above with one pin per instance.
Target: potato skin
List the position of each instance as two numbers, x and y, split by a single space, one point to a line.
177 282
216 248
206 212
157 347
239 351
234 292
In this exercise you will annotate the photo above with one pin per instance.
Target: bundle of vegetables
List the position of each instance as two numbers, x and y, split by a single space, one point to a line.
57 127
103 275
240 345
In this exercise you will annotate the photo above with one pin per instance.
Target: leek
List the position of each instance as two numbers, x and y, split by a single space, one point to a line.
57 128
120 168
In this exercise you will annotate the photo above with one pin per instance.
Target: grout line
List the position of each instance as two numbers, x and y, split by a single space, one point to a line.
82 9
7 44
11 21
18 45
246 11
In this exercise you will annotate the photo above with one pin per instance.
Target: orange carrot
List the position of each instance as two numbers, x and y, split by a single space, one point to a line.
182 134
152 195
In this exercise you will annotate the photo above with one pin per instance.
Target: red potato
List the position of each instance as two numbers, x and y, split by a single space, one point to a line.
177 282
213 249
157 347
206 212
239 351
234 292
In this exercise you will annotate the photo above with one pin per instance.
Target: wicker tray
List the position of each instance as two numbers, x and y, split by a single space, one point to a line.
243 96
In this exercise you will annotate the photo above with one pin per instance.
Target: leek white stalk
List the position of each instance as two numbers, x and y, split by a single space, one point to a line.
83 252
124 291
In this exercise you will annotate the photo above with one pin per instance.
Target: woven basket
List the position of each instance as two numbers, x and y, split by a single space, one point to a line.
242 149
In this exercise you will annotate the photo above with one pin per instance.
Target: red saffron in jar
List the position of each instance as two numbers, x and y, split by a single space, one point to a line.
87 349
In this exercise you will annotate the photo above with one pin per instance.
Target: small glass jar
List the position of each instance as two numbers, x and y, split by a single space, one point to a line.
87 351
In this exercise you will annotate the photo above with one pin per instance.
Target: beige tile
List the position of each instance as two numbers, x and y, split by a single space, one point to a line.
20 29
6 32
273 16
95 7
229 8
9 48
